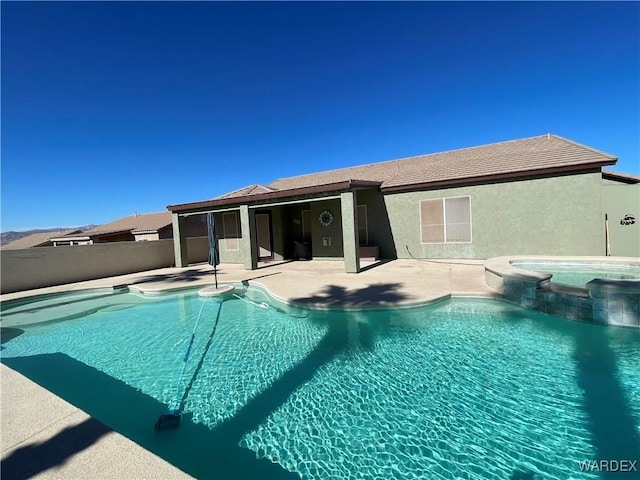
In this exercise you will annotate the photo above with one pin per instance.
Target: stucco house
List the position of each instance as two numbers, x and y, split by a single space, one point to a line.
136 227
540 195
42 239
132 228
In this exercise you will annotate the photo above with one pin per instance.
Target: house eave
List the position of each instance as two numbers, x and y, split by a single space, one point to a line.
497 178
621 177
315 191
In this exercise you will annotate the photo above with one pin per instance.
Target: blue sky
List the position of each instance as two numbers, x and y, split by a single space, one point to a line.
121 107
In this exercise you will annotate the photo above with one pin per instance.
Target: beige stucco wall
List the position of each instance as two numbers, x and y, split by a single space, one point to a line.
546 216
46 266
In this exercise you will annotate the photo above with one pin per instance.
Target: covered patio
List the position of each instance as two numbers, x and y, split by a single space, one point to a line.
261 224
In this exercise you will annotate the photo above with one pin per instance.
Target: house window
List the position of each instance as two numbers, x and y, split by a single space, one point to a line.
363 231
446 220
230 231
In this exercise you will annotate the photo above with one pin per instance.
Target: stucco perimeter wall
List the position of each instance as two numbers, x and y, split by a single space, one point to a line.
47 266
546 216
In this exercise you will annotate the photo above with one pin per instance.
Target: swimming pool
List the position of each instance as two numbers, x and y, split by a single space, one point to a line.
459 389
579 274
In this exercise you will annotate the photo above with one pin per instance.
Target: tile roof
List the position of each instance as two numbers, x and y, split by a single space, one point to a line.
528 156
37 239
515 156
133 223
140 223
248 190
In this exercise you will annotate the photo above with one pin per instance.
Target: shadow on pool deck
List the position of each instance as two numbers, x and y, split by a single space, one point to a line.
338 296
33 458
184 278
181 278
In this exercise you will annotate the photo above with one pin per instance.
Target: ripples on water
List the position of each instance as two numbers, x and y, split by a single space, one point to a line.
462 389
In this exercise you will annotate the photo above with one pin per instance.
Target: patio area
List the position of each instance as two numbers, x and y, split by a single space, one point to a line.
417 281
45 437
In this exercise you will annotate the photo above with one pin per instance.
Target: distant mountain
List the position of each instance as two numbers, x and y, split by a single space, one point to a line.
6 237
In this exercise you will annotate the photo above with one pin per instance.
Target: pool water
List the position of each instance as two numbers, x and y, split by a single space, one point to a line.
577 275
459 389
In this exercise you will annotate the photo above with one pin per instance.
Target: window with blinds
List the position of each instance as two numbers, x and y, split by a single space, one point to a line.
446 220
230 226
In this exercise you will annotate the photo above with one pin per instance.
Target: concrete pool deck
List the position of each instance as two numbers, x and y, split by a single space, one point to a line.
44 437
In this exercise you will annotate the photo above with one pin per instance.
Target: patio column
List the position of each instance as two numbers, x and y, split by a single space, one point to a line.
248 241
180 240
350 240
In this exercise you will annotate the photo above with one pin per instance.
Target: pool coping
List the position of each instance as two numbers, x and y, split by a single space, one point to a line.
503 265
610 302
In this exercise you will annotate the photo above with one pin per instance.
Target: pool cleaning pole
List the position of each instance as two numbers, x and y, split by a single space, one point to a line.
606 235
172 419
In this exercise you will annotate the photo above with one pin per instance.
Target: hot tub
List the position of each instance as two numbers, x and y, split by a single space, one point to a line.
602 290
578 274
